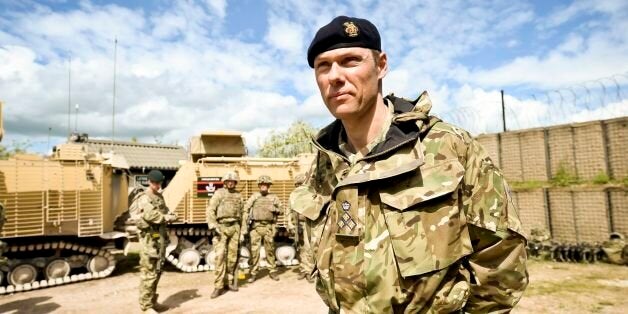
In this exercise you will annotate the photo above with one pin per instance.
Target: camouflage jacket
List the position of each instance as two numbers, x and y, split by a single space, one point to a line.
153 208
224 206
423 223
261 208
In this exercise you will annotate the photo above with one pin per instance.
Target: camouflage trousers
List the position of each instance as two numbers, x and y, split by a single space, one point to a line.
262 231
306 262
226 249
149 278
3 247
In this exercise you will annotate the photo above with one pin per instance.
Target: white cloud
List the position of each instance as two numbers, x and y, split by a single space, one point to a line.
180 73
286 36
218 6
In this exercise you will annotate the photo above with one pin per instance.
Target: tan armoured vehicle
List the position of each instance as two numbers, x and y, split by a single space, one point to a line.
189 192
60 214
64 212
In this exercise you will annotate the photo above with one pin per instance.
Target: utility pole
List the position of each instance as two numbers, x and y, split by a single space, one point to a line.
76 119
48 146
69 95
113 110
503 111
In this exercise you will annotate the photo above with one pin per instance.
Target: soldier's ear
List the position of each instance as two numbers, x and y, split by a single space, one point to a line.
382 65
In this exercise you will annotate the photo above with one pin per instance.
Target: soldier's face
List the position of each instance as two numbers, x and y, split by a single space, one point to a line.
263 188
230 184
348 80
154 185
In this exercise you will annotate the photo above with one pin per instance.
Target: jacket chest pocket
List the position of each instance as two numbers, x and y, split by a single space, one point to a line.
422 213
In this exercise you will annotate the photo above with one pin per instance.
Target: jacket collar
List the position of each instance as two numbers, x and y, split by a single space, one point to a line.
402 132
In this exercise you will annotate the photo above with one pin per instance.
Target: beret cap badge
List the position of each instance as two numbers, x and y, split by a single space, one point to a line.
350 29
344 32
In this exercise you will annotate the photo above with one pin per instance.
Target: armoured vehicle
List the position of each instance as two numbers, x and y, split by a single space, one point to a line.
66 213
60 213
189 192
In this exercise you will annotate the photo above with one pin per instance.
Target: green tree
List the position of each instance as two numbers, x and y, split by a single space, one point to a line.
7 152
294 141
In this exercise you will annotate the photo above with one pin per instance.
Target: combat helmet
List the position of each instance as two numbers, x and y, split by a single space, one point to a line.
264 179
156 176
231 176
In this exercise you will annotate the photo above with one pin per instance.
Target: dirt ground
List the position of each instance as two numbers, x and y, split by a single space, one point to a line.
554 288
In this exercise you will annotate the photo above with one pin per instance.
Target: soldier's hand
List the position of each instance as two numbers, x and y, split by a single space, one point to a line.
241 238
170 217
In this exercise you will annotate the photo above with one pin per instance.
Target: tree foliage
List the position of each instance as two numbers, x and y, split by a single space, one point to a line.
294 141
7 152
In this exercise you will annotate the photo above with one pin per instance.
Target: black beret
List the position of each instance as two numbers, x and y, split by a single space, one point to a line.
344 32
156 176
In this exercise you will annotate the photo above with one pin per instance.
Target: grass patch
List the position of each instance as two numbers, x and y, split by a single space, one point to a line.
564 177
601 178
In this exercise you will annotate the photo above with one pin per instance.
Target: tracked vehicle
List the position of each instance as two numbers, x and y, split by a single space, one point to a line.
189 192
66 213
60 213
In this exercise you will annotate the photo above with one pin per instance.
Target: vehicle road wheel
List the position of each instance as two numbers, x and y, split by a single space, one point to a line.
23 274
57 268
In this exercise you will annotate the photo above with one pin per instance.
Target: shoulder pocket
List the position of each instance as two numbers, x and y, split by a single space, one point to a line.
423 217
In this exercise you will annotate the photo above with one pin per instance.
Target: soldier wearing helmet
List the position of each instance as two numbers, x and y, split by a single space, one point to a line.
260 213
296 224
153 215
224 217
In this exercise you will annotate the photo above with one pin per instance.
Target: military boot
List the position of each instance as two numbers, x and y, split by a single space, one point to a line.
302 276
158 306
233 287
273 276
217 292
150 311
310 278
251 279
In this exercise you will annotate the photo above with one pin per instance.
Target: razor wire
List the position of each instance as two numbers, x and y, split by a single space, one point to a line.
597 99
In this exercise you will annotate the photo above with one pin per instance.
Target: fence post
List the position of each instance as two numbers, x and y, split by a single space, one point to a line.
548 160
609 209
548 211
606 145
573 210
573 150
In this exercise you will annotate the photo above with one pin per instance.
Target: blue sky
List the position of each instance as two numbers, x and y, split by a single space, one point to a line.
189 66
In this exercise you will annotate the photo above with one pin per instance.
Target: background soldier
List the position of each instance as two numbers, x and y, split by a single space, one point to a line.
224 216
261 211
153 216
408 213
296 224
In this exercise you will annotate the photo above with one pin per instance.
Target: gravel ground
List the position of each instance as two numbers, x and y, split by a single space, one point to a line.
554 288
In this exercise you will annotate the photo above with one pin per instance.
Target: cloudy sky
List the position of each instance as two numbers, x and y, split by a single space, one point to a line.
188 66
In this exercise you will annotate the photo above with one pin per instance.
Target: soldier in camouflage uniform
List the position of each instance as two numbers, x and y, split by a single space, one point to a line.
224 217
260 215
153 238
296 223
408 214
